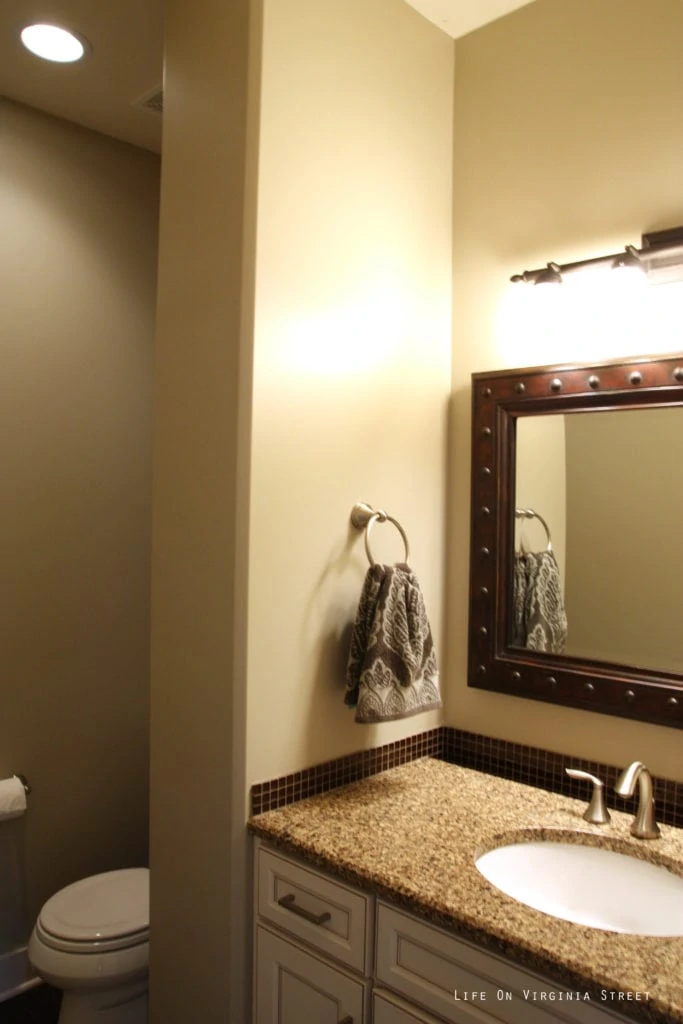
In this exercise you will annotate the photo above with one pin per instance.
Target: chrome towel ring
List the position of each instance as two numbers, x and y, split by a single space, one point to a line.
528 513
364 517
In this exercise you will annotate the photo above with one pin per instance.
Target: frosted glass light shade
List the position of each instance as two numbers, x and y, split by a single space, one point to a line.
53 43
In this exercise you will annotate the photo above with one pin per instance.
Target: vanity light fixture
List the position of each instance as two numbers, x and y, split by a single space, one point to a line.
660 257
51 42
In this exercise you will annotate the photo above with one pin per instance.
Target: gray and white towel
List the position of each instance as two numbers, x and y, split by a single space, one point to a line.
540 621
391 671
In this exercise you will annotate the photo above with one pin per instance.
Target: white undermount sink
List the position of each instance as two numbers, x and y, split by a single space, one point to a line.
588 885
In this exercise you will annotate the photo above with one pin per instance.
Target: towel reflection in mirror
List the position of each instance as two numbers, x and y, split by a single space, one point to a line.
539 617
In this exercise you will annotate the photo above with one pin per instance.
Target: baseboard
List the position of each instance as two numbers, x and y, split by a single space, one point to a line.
16 974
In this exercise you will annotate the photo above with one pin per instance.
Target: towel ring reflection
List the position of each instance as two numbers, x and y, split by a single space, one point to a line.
528 513
364 517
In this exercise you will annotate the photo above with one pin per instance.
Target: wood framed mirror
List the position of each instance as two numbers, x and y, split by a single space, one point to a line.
578 470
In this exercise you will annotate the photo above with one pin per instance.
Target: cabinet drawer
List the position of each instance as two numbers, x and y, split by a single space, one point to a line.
330 917
465 984
388 1009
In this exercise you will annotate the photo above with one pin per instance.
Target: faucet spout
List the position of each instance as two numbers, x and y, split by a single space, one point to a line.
644 824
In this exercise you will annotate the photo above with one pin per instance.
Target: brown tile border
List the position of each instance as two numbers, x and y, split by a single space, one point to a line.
530 765
266 796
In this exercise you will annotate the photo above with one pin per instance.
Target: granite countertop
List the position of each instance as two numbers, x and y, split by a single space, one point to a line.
411 834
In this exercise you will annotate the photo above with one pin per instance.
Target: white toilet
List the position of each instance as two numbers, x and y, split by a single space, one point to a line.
91 940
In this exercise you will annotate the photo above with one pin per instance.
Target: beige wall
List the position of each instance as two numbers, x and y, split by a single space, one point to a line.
352 352
625 494
568 143
78 249
202 404
541 484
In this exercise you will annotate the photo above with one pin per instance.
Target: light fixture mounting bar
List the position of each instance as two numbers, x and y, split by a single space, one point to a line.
657 249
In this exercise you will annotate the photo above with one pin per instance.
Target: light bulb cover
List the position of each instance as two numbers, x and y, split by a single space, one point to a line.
54 43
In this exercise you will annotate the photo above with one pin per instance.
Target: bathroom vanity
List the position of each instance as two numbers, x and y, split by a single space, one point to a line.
369 908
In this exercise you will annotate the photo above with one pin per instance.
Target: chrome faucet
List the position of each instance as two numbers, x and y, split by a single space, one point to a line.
644 825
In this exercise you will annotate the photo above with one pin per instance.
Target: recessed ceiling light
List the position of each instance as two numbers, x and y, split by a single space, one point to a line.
53 43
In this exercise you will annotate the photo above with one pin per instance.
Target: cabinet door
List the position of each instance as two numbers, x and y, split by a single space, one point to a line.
295 987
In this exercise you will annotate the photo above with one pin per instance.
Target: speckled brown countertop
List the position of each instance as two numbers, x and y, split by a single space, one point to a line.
411 835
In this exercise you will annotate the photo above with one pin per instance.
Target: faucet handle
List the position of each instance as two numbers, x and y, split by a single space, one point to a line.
596 812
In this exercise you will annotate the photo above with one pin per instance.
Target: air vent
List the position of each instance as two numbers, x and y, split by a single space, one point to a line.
152 100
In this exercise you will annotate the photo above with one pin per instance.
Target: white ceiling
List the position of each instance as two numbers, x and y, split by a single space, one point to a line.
458 17
127 54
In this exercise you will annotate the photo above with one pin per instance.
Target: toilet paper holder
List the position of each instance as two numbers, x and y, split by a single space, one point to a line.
23 780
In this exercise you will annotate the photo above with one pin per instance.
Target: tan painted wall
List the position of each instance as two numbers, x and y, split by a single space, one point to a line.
625 494
78 249
352 374
559 154
541 484
202 404
352 352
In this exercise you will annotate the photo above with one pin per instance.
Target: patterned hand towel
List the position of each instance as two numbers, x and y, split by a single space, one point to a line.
391 671
540 621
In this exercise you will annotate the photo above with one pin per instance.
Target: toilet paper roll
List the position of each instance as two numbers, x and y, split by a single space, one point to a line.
12 798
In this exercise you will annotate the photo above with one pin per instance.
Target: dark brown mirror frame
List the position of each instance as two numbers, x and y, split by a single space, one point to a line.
498 399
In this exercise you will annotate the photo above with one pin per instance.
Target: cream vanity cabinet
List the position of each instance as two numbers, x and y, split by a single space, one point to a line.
326 953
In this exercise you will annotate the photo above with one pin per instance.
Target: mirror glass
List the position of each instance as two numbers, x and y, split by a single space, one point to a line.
607 490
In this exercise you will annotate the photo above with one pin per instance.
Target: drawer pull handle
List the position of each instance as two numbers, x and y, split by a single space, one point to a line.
288 903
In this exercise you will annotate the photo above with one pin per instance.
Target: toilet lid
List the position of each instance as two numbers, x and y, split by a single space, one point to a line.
100 908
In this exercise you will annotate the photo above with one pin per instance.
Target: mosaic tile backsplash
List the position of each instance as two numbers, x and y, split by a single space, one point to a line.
531 765
267 796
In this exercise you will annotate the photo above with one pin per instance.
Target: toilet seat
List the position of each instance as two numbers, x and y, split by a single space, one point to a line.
102 913
90 945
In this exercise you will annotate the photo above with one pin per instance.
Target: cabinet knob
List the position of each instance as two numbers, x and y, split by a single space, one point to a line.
347 1020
